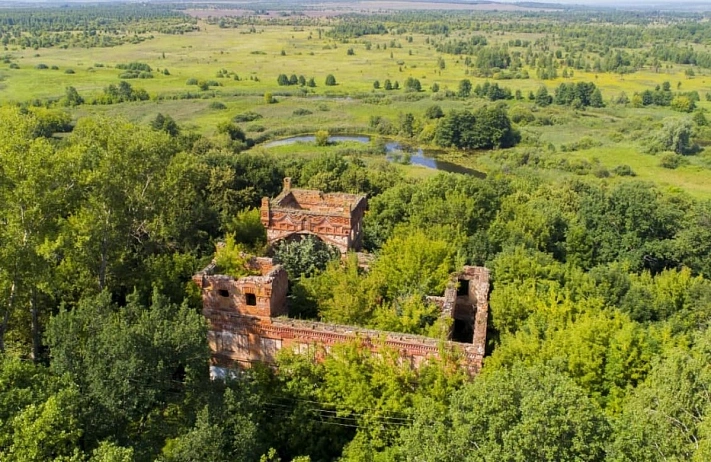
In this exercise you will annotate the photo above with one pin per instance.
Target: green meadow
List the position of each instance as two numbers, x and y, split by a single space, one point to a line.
246 65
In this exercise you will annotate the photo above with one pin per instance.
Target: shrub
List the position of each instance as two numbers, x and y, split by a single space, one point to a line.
600 171
321 138
69 71
191 81
248 116
41 66
302 112
683 104
670 161
623 170
55 68
217 105
14 66
256 128
521 115
135 66
330 80
586 142
434 112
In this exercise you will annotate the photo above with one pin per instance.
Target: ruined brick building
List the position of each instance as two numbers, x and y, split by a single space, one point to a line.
248 316
335 218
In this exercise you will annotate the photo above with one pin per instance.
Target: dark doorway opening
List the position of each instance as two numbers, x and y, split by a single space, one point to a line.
463 288
462 331
224 292
250 299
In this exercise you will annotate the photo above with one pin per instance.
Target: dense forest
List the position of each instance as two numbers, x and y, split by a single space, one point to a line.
599 344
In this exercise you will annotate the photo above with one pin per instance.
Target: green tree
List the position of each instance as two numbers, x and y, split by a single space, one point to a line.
330 80
157 355
166 124
413 84
524 414
231 129
48 431
304 257
542 97
683 104
673 405
220 434
412 262
407 124
72 97
248 229
231 258
321 138
434 112
33 195
675 135
464 89
596 99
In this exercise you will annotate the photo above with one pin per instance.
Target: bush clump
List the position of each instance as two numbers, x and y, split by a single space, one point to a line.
217 105
248 116
623 170
671 161
256 128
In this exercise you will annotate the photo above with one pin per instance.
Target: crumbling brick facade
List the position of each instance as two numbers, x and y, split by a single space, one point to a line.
335 218
248 324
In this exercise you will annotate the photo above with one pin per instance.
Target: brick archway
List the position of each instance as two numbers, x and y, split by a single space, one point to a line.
335 218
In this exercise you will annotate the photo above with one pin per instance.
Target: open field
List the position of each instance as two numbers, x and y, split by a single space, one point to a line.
257 56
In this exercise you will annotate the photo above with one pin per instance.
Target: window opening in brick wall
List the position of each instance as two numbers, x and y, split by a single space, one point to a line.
250 299
462 288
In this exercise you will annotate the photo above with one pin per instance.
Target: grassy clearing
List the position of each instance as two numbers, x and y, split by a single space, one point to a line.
257 59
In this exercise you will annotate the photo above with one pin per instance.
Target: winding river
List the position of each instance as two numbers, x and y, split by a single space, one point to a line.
394 152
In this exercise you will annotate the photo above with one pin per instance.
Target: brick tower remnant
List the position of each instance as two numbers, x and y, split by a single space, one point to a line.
335 218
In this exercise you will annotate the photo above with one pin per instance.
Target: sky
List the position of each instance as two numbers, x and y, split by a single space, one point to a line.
615 2
607 3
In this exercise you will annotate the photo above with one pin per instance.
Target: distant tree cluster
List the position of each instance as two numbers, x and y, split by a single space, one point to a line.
135 70
284 80
487 128
578 95
121 93
387 85
492 92
663 96
88 26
